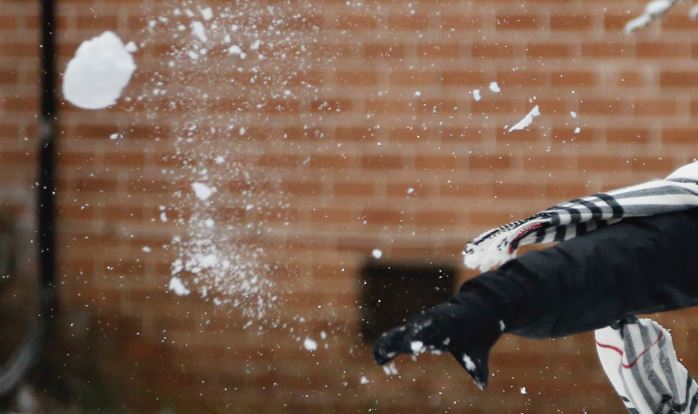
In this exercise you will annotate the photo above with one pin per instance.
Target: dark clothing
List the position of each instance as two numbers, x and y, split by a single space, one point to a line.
639 265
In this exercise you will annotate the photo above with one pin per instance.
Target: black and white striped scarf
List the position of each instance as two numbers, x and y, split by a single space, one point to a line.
638 357
679 191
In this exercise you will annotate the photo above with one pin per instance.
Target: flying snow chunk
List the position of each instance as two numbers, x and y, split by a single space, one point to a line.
523 391
637 23
207 13
234 50
527 120
131 47
202 191
98 73
310 345
469 364
416 346
377 254
363 380
476 95
494 87
390 369
198 30
178 287
657 7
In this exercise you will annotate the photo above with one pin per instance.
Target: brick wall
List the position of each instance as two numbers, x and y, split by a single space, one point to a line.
378 144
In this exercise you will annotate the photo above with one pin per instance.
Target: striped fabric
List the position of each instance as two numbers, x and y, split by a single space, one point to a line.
640 361
679 191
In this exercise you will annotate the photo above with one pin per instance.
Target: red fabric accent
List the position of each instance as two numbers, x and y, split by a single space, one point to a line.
621 353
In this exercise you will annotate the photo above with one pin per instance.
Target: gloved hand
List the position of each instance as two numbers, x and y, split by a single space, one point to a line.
467 326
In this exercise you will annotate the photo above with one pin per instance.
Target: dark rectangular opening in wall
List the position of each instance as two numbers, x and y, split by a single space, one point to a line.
391 292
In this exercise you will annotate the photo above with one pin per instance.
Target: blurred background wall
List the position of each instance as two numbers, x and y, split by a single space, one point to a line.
389 150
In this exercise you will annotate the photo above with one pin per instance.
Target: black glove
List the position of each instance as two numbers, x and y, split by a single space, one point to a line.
467 326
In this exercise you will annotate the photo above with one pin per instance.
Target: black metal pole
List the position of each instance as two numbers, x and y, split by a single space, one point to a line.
47 162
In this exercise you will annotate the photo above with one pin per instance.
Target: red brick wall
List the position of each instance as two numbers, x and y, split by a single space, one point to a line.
379 103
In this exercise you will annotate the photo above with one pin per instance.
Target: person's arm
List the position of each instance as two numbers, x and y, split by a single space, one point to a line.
636 266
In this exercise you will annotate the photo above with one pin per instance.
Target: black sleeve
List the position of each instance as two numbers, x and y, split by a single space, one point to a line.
639 265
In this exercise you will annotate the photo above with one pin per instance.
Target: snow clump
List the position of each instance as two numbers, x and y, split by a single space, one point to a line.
98 73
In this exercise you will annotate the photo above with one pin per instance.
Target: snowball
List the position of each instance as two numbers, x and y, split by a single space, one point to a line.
202 191
99 71
310 345
178 287
377 254
577 130
523 390
494 87
363 380
527 120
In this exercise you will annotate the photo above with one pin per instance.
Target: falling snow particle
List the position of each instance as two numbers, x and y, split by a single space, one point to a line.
416 346
476 95
363 380
377 254
178 287
523 391
310 345
577 130
527 120
494 87
202 191
198 30
207 13
469 364
390 369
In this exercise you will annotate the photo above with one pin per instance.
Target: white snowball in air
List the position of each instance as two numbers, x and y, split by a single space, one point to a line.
377 254
310 345
99 71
